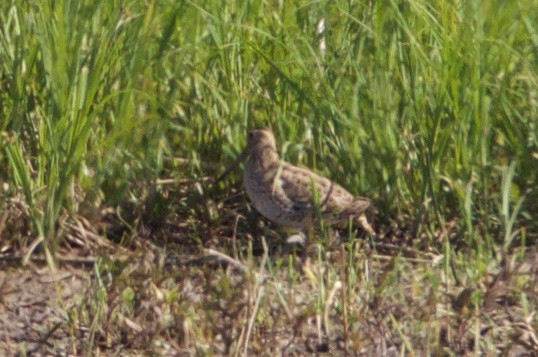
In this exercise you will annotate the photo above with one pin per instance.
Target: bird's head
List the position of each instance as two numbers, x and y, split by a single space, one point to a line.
258 140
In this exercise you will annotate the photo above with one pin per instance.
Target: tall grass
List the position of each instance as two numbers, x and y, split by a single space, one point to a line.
428 107
73 108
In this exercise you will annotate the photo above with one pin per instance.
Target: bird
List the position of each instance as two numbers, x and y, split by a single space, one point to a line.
293 196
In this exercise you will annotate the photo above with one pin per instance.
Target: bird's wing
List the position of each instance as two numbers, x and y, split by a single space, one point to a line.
298 184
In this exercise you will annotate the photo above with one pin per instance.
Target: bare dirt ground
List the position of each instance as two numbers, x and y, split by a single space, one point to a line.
34 306
194 288
44 313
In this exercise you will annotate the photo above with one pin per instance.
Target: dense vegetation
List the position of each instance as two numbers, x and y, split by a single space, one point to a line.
120 115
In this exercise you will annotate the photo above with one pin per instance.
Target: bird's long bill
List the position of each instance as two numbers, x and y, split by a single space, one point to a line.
244 155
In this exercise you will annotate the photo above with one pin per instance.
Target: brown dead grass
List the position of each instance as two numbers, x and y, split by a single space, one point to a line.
213 279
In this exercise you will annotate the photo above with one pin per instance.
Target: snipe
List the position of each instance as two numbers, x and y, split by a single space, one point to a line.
292 196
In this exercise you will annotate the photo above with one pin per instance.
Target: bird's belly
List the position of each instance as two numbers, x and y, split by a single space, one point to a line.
273 205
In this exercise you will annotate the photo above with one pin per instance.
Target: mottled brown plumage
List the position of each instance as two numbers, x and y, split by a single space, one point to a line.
292 196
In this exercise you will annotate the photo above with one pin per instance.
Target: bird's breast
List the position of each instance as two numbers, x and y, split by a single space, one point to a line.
264 188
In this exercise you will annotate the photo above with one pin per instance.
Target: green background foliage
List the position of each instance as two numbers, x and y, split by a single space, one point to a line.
430 108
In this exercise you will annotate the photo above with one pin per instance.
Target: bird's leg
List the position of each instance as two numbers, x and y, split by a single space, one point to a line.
310 237
363 222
